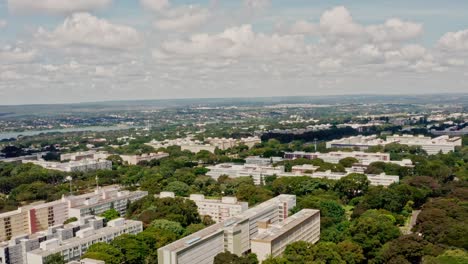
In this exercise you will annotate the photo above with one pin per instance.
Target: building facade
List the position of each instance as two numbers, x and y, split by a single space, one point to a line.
219 209
40 216
73 166
257 172
272 239
234 234
336 156
135 159
71 240
432 146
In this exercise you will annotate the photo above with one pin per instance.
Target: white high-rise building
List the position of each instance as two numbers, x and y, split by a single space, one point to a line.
70 241
272 239
257 172
219 209
432 146
39 216
234 235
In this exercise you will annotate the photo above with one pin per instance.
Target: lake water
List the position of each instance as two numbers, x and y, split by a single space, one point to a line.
6 135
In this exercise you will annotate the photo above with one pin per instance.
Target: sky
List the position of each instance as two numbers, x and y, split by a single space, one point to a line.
64 51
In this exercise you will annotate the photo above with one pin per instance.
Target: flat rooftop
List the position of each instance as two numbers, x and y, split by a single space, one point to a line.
276 230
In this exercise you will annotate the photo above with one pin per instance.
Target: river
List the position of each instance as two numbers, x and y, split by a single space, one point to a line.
6 135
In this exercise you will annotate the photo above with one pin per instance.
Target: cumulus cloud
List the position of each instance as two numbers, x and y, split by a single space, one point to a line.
338 21
83 29
455 41
155 5
235 42
12 55
56 6
183 19
395 30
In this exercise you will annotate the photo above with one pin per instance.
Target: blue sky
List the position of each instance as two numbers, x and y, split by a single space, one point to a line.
89 50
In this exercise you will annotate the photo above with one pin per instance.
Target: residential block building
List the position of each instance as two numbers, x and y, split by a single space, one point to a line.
272 239
219 209
71 240
73 166
234 234
432 146
257 172
135 159
256 160
36 217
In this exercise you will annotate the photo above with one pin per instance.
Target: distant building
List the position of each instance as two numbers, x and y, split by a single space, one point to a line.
195 146
375 179
272 239
432 146
336 156
84 155
135 159
364 158
226 143
359 142
219 209
235 170
71 240
187 143
234 235
257 160
33 218
73 166
442 144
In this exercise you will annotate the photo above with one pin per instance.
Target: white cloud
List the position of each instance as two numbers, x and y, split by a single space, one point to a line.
83 29
3 23
56 6
455 41
183 19
338 21
11 55
155 5
235 42
395 30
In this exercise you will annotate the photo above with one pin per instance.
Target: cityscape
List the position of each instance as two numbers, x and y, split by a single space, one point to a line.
233 132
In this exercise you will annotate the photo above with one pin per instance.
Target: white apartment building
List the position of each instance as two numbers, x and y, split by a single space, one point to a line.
40 216
196 146
236 170
272 239
359 142
135 159
257 160
71 240
432 146
219 209
84 155
187 143
226 143
364 158
443 144
234 234
73 166
336 156
379 179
